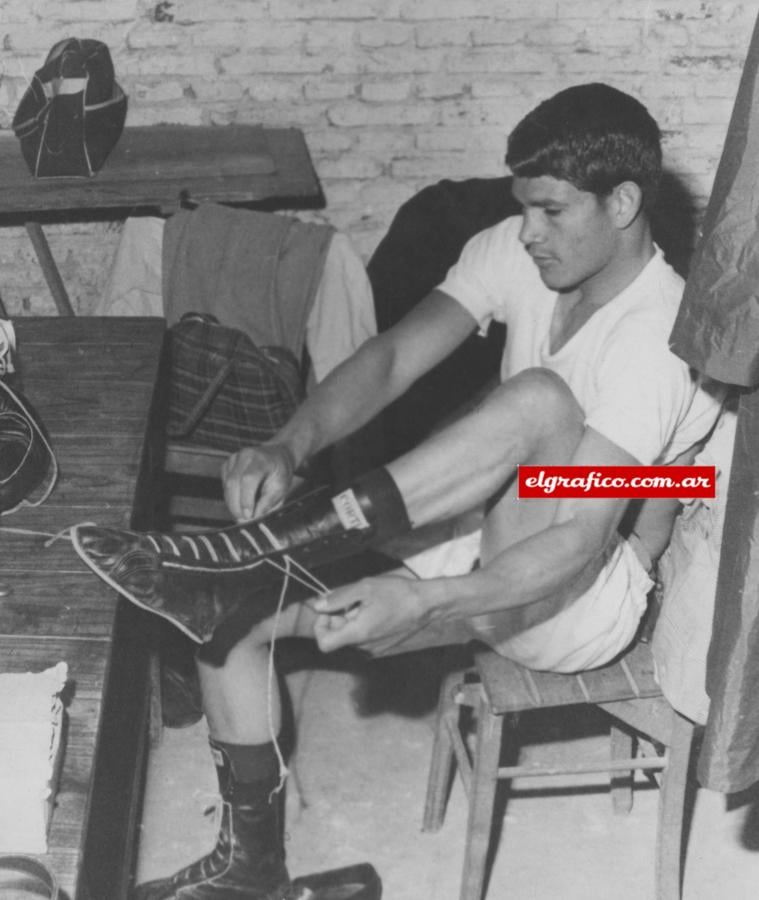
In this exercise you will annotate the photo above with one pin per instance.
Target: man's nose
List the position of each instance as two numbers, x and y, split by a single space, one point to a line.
530 232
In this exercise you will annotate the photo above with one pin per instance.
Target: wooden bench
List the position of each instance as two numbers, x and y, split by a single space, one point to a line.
93 383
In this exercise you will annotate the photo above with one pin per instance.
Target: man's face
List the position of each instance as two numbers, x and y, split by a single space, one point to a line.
569 233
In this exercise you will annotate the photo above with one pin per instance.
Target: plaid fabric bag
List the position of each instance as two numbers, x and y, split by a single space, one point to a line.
224 392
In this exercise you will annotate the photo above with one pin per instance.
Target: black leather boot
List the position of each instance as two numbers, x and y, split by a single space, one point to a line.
247 862
197 581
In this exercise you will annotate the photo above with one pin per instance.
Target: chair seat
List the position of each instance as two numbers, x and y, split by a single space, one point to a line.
510 687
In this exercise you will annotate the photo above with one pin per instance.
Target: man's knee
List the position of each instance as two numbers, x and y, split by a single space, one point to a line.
542 398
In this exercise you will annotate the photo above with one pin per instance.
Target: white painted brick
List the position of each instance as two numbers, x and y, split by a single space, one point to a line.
339 193
144 37
606 35
384 143
485 34
335 36
89 10
15 12
445 33
664 38
449 165
732 35
352 114
387 193
485 141
147 64
328 142
189 11
173 114
690 64
226 90
272 89
516 59
490 9
280 114
349 166
29 45
436 87
706 111
386 91
382 34
246 63
157 93
397 60
717 85
319 88
328 9
251 34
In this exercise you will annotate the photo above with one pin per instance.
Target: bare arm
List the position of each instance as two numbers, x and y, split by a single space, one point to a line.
256 479
550 564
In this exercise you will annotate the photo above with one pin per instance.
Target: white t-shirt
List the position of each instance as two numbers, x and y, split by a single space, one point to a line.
633 389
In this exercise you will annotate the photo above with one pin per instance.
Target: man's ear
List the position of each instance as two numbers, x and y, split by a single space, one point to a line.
626 203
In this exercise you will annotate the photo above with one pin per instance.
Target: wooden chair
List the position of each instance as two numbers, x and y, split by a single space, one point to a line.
497 687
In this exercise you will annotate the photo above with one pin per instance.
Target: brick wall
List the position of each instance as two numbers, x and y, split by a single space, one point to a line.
392 94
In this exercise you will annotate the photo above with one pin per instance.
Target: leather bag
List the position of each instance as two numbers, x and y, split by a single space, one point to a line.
224 391
73 112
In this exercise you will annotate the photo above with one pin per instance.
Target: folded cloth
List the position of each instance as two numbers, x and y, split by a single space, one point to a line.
31 724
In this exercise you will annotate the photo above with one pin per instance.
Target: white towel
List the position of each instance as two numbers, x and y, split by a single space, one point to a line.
31 718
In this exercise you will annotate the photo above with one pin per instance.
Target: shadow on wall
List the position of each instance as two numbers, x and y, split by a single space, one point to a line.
675 223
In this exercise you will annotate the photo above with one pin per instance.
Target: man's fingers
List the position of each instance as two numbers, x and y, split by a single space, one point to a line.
338 602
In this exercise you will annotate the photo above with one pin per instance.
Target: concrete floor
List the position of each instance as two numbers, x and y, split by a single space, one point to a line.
356 793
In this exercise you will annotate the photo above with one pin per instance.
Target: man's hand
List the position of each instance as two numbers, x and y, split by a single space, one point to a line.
257 479
374 614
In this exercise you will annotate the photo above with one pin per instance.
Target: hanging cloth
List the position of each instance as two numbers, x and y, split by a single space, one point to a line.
717 332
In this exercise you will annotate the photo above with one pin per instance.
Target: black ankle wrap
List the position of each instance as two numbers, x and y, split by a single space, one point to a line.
382 504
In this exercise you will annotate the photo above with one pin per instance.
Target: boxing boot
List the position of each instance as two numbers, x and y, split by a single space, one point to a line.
197 581
247 862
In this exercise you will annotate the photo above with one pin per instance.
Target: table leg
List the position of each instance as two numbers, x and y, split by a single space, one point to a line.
49 268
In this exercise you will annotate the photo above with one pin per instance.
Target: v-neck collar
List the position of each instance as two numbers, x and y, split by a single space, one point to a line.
615 302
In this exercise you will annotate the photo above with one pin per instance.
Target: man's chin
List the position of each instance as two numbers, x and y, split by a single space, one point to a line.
555 281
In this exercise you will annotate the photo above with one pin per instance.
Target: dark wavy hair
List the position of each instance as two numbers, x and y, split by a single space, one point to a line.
593 136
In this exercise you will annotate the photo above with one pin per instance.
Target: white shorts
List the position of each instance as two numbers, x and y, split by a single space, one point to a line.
590 632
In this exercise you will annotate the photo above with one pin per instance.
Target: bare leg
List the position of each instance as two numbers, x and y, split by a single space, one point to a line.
531 418
241 706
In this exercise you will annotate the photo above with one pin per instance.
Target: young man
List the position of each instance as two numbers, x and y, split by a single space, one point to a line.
587 379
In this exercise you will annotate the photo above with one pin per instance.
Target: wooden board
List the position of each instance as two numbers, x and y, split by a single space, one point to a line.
156 167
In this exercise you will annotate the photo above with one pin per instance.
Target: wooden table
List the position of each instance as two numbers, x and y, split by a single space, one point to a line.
155 169
93 384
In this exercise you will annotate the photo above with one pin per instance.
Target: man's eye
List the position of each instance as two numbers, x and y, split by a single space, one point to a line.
551 211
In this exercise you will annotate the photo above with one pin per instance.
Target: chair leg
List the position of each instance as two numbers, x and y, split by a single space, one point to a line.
441 765
622 747
481 801
674 783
